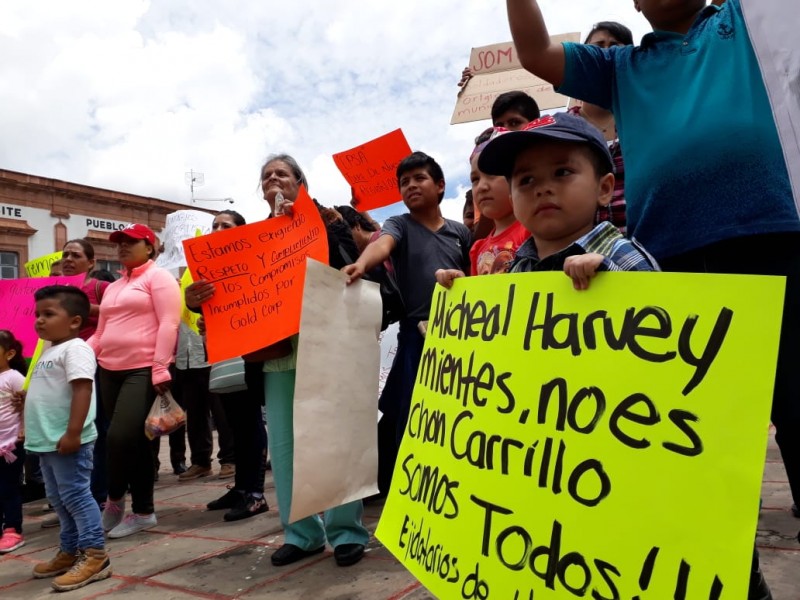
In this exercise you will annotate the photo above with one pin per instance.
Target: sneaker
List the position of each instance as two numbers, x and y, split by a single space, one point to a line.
61 563
91 565
226 471
249 506
113 513
194 472
231 498
133 523
50 522
11 540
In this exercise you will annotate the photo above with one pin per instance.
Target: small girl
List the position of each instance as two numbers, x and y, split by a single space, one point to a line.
12 454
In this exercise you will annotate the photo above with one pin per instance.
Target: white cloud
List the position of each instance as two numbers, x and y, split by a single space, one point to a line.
131 94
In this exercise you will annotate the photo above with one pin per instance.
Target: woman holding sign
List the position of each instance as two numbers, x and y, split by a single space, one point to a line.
242 412
281 178
135 344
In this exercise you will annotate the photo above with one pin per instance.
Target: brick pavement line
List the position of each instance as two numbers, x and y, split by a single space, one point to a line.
145 581
405 591
285 574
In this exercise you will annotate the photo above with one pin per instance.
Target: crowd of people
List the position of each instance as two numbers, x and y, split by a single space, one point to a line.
704 188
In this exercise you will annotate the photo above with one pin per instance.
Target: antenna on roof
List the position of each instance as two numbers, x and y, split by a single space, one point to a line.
193 178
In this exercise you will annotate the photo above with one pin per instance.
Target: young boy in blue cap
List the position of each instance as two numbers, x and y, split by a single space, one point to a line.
560 170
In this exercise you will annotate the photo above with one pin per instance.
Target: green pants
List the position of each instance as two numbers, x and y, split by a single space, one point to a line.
341 525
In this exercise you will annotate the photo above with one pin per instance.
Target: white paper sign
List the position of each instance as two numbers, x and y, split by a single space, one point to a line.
772 25
388 350
335 435
181 225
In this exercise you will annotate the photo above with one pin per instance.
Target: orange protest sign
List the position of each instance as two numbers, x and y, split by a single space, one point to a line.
258 271
370 169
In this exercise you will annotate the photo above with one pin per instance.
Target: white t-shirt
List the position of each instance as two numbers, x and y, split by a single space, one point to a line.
49 399
10 420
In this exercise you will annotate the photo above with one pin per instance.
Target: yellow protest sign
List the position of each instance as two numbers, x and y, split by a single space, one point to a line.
605 444
40 267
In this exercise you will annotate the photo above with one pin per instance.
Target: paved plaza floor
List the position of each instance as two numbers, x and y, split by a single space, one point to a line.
193 553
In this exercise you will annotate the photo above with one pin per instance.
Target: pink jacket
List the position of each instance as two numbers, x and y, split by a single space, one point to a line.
138 324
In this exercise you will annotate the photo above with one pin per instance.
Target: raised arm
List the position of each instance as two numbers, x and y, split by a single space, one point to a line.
535 50
373 255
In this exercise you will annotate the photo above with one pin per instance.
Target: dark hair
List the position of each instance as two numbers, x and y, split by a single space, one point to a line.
289 160
518 102
420 160
72 299
87 247
468 202
237 218
103 275
9 342
616 30
484 136
352 217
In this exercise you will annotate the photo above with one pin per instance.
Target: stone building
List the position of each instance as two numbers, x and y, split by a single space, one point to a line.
38 215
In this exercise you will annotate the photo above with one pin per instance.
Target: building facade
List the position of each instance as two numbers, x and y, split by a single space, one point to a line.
38 215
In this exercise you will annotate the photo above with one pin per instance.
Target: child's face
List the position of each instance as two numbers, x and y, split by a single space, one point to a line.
512 120
662 14
419 190
53 324
491 192
221 222
556 192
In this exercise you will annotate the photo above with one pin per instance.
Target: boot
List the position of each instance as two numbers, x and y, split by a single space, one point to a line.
60 563
92 565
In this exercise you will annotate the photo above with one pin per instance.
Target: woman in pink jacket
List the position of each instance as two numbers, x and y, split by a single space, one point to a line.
134 344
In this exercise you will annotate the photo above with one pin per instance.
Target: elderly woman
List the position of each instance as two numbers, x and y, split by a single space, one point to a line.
341 526
134 344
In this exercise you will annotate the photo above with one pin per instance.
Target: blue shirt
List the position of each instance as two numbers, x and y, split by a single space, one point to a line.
703 161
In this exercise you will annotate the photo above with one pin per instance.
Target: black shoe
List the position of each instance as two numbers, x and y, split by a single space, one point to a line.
229 499
248 506
179 468
348 554
289 553
796 511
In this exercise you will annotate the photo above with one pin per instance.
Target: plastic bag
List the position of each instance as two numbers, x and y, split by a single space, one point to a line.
165 416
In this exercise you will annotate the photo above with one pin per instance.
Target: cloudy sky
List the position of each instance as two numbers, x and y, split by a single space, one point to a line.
130 95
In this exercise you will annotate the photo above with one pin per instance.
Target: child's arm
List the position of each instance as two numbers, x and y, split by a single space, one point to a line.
70 442
445 277
373 255
582 268
535 50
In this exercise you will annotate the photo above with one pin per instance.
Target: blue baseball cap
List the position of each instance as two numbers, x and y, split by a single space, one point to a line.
497 158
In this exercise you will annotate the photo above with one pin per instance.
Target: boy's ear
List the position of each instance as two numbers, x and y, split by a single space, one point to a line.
75 323
606 189
440 185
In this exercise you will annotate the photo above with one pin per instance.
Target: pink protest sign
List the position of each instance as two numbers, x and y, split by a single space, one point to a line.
17 307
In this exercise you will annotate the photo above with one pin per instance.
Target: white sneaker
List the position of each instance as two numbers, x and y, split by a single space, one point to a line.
133 523
113 513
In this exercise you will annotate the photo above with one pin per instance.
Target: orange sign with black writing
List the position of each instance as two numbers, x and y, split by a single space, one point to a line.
258 272
370 170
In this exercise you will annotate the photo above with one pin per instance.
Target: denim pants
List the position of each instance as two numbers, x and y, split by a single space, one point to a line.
67 482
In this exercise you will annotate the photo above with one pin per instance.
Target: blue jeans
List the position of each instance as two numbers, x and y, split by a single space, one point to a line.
67 482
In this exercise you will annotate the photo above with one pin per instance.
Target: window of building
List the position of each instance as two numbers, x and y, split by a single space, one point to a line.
9 265
112 266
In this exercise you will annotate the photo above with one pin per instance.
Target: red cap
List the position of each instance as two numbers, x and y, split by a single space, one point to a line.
136 231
